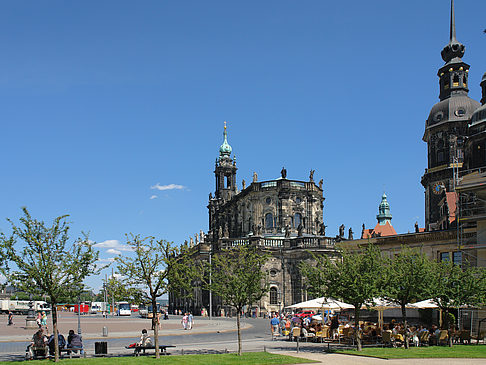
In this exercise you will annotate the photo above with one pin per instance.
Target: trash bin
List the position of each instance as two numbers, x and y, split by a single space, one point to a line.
105 331
101 348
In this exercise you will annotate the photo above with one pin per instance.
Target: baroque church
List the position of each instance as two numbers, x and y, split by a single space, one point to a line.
284 217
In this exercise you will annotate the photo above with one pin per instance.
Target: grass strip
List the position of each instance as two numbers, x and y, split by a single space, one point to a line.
248 358
457 351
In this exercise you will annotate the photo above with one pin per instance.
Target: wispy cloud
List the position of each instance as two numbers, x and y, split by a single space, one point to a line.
112 251
167 187
113 245
153 197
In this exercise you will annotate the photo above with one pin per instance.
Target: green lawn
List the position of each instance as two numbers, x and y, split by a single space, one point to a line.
458 351
248 358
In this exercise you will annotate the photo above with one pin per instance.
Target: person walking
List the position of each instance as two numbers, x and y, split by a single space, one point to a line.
10 318
190 321
44 321
38 320
274 322
184 321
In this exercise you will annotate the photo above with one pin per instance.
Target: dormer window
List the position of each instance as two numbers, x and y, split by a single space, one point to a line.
460 112
438 116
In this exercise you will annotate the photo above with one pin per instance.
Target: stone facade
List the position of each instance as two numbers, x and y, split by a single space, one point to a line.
282 217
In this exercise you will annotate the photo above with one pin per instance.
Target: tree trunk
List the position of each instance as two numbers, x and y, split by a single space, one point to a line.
405 325
238 314
156 327
54 329
357 330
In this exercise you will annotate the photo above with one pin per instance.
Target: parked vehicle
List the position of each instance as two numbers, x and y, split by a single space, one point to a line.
145 311
124 309
82 309
305 314
22 306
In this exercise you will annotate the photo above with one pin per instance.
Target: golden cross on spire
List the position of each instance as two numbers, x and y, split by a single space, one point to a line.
225 124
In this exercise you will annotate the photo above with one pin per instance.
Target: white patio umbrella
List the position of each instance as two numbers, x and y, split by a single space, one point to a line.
424 304
427 304
380 304
322 303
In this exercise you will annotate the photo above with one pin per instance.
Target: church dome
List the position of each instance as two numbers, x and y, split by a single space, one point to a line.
455 108
225 149
479 116
384 214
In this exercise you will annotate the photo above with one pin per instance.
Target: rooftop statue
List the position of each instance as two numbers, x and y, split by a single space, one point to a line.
341 231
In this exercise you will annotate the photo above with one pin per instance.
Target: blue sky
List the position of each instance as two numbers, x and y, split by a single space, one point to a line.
102 100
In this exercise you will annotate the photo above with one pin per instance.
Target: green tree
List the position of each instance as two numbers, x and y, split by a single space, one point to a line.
119 291
455 286
48 263
407 278
355 278
237 277
158 267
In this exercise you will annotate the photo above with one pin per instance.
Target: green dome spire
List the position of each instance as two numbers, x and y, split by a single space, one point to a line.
384 211
225 149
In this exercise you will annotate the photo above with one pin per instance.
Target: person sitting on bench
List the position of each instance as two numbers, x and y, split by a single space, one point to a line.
38 345
75 342
61 343
145 340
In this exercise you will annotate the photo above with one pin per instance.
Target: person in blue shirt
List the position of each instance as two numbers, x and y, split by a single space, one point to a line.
61 343
274 322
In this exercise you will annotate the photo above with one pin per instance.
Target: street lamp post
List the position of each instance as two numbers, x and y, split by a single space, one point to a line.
30 320
210 283
79 314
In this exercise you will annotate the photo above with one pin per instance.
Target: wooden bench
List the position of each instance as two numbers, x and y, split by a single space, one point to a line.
137 349
69 351
38 352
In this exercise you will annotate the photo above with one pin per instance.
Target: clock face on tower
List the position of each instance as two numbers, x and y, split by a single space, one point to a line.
437 187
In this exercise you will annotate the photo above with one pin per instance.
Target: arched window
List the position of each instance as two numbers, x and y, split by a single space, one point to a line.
297 219
268 220
273 295
455 81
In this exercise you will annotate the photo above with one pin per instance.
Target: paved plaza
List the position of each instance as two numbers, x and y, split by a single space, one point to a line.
215 336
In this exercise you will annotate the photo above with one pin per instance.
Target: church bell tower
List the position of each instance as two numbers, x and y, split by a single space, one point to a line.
446 127
225 171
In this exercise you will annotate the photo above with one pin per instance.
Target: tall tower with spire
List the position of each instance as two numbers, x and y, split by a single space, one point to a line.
447 126
225 171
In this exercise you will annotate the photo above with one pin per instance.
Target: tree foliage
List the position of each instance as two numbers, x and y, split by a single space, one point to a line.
237 277
119 291
157 266
48 264
407 278
454 286
355 278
